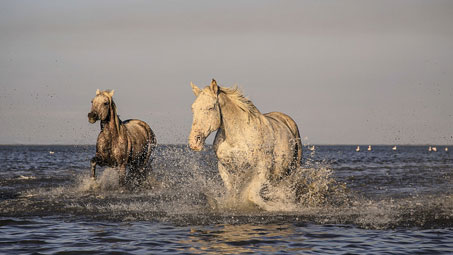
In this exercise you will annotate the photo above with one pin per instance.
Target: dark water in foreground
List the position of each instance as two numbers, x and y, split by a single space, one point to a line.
394 202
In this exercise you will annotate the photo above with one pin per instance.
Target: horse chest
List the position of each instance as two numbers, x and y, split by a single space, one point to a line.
236 156
110 151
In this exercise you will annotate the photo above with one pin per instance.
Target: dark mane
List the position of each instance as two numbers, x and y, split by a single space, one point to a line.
114 109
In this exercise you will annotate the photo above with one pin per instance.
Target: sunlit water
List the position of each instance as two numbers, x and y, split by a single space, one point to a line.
383 201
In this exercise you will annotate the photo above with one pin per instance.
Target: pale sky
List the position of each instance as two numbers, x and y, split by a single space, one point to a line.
348 72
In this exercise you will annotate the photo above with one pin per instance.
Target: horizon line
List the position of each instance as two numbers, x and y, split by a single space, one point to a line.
210 144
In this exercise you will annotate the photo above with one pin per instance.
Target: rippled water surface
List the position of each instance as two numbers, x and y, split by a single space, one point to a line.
383 201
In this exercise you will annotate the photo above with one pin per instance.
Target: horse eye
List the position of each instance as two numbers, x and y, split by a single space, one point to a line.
91 101
106 103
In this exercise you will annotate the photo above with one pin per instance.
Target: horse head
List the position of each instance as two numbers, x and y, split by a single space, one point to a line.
206 114
100 106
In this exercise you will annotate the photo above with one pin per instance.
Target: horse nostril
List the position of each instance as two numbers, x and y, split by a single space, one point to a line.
91 115
198 138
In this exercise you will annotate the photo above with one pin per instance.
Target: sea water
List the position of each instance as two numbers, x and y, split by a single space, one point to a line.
340 201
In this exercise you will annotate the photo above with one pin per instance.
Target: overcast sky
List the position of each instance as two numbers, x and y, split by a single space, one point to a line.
348 72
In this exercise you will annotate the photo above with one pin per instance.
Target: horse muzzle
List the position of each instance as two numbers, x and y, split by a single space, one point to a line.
196 143
92 117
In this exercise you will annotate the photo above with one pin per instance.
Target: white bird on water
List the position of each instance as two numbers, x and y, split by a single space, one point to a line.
312 148
358 148
394 148
446 149
430 148
434 149
51 152
369 147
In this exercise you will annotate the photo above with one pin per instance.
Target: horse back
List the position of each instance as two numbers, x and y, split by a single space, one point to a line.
285 119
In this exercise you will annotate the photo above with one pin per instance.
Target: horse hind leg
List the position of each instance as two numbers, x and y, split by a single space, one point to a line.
138 173
141 173
226 178
122 175
144 166
93 168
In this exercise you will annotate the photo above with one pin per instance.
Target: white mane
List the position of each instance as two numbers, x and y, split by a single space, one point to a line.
238 99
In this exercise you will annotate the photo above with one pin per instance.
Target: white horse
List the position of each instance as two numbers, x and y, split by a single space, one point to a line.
252 149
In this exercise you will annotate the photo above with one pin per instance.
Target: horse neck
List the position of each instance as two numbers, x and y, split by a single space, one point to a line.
111 125
236 123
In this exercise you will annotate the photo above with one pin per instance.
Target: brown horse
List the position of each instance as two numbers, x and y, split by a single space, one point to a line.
120 143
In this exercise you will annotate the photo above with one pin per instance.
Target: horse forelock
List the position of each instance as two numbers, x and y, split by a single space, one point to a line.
237 98
106 93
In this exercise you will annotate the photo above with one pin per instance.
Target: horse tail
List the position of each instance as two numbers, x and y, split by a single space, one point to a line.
151 143
297 156
298 149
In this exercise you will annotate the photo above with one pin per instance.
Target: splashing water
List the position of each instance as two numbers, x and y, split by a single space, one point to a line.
108 181
185 188
303 188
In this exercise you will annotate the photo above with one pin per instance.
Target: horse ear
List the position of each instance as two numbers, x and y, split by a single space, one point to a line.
196 90
98 92
214 87
111 93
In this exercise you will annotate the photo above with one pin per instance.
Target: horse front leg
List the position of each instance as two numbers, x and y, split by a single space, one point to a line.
225 177
252 192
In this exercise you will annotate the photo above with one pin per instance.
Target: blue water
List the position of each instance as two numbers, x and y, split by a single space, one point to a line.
395 202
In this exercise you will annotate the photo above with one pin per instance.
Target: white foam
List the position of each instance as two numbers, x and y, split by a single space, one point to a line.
303 188
108 180
23 177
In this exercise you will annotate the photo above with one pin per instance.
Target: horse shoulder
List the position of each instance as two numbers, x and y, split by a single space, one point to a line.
225 152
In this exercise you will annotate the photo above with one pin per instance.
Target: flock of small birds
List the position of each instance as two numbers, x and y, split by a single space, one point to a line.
394 148
313 148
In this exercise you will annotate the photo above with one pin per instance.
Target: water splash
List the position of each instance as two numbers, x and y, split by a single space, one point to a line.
186 189
311 185
23 177
107 181
303 188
